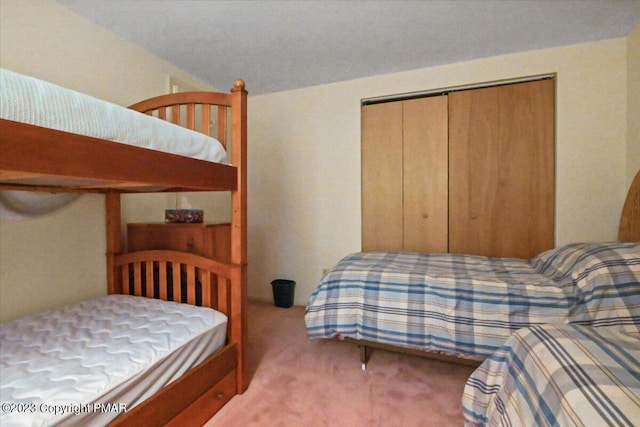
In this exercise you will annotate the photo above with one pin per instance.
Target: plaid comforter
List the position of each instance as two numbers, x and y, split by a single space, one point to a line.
459 304
558 375
470 305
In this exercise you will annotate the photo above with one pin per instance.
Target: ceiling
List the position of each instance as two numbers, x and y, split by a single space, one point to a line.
284 45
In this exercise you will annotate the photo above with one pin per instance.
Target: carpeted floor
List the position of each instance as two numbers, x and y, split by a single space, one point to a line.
295 382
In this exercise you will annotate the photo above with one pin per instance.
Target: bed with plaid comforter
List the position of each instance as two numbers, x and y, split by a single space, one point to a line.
558 375
470 305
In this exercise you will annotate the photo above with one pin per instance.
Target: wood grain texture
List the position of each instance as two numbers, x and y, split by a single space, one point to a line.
629 230
181 402
382 201
502 174
426 180
209 240
33 156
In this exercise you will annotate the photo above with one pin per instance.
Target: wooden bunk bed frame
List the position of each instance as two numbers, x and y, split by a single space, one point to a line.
41 159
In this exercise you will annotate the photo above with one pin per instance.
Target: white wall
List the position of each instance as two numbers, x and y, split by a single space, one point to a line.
304 159
304 154
59 259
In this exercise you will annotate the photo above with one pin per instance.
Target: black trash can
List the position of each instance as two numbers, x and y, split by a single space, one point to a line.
283 292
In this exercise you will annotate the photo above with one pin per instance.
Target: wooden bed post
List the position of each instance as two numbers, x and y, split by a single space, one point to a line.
239 229
629 230
114 240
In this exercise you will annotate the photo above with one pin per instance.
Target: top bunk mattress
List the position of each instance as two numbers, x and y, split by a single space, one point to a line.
29 100
118 349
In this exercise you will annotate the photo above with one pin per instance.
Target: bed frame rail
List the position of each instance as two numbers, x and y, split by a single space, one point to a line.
366 347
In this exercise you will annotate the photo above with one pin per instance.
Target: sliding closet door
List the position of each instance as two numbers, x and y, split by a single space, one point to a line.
425 174
404 175
501 175
382 177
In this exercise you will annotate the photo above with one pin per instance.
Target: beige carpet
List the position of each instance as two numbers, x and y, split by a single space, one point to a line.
300 383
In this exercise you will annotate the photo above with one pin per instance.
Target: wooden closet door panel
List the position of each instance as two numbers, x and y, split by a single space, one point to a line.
501 174
382 177
425 174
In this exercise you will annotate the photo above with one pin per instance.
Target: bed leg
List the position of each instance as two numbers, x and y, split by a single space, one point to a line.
365 352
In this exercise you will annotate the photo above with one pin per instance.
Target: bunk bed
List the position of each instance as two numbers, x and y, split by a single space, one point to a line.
462 307
53 159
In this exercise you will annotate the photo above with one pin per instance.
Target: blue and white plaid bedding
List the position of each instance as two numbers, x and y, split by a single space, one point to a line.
558 375
470 305
451 303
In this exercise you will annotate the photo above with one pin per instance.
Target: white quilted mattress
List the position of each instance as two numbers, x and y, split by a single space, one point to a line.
29 100
84 364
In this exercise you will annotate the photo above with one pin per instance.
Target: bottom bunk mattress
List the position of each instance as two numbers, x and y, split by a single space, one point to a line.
558 375
461 304
87 363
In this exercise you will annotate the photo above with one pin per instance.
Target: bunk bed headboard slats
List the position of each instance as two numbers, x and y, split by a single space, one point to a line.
170 107
176 276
